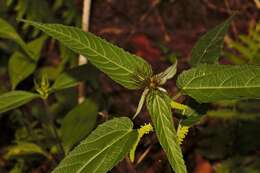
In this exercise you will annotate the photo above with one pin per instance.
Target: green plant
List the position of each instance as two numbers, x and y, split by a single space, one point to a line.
36 10
246 50
111 141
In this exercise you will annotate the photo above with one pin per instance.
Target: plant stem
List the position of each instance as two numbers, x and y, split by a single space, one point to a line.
53 128
177 96
82 59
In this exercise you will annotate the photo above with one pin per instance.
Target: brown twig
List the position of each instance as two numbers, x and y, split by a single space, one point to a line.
141 158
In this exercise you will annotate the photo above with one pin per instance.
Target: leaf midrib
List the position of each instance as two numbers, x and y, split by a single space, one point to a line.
101 151
160 113
209 45
83 45
217 87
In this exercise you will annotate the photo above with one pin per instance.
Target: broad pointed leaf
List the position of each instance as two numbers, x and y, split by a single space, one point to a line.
167 74
209 83
35 46
78 123
159 108
126 69
20 66
102 149
71 77
14 99
209 46
8 32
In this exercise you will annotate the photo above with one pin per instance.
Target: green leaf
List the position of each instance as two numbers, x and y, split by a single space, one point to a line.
51 72
191 116
209 83
70 78
234 59
231 114
14 99
167 74
20 66
208 48
126 69
78 123
36 46
8 32
159 108
245 51
102 149
24 149
141 102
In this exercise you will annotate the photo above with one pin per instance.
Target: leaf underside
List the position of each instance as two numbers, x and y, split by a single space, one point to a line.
126 69
209 83
102 149
167 74
208 48
158 105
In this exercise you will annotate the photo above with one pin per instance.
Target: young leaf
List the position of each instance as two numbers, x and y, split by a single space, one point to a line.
70 78
209 83
141 102
102 149
126 69
78 123
167 74
20 66
14 99
8 32
159 108
209 46
36 46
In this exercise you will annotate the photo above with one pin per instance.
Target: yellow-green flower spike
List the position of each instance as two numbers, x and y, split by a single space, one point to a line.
145 129
182 131
179 106
44 87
